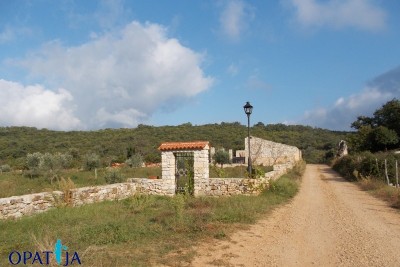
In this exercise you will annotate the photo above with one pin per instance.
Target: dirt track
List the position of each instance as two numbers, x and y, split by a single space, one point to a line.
329 223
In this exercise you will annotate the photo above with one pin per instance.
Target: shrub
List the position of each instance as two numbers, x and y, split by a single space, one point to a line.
5 168
258 172
366 165
92 161
369 165
66 185
33 163
135 161
346 166
113 177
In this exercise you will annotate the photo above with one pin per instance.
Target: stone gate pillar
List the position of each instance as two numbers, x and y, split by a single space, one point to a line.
200 164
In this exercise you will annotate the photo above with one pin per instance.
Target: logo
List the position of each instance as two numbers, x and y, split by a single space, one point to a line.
43 257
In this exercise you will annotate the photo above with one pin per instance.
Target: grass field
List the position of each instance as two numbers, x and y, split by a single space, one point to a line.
16 183
142 230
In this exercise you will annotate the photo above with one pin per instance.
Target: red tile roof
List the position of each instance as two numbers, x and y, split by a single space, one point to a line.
183 145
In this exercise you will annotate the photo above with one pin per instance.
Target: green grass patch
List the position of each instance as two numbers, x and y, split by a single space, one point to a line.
15 183
234 172
141 230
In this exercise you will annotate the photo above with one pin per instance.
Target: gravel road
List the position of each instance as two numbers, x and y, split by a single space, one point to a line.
330 222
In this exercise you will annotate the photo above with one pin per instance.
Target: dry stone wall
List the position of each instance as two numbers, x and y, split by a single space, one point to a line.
92 194
18 206
268 153
263 152
161 187
241 186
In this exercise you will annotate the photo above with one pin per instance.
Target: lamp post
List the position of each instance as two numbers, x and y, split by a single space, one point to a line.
248 109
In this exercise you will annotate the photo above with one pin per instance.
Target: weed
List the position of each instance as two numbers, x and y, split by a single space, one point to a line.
65 185
142 230
113 176
220 235
138 202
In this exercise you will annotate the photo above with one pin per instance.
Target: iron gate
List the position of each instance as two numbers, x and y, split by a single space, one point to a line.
184 174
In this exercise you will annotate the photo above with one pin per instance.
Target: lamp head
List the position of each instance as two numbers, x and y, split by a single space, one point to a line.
248 108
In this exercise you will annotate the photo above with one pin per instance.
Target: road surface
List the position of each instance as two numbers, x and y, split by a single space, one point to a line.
330 222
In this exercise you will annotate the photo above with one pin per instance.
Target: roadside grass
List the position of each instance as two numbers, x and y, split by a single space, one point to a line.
142 230
381 190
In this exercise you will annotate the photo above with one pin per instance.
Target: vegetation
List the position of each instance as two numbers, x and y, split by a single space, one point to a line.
237 171
221 157
135 161
374 171
113 176
142 230
118 145
367 165
15 183
380 132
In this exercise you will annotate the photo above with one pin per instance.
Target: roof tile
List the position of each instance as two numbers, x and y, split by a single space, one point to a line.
183 145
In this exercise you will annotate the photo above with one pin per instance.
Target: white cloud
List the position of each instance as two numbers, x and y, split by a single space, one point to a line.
361 14
35 106
234 18
121 78
346 109
9 34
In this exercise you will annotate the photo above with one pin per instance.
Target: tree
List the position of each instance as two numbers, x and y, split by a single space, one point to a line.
92 161
389 115
135 161
130 151
33 163
362 121
380 131
384 137
221 157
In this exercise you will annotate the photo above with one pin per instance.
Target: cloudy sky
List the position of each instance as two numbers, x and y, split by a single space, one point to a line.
82 65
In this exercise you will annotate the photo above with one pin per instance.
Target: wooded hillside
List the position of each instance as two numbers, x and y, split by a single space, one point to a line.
114 145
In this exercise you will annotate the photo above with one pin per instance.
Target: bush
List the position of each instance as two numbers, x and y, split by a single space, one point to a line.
258 172
33 163
346 166
113 177
92 161
5 168
366 165
135 161
369 166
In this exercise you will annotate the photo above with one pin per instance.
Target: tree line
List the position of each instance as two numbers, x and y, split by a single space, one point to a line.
118 145
371 147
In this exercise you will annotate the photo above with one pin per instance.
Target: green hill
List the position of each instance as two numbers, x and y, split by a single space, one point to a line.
114 144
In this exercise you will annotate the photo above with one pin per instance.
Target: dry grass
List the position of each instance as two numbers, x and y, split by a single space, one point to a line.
381 190
141 230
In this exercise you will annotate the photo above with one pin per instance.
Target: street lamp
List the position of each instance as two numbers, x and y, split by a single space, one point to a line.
248 109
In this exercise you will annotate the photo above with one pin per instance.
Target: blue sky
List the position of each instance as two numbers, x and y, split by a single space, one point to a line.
83 65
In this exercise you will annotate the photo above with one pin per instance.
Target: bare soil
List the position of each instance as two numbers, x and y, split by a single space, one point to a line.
330 222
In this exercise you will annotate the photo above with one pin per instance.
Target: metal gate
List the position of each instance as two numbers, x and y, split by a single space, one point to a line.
184 174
